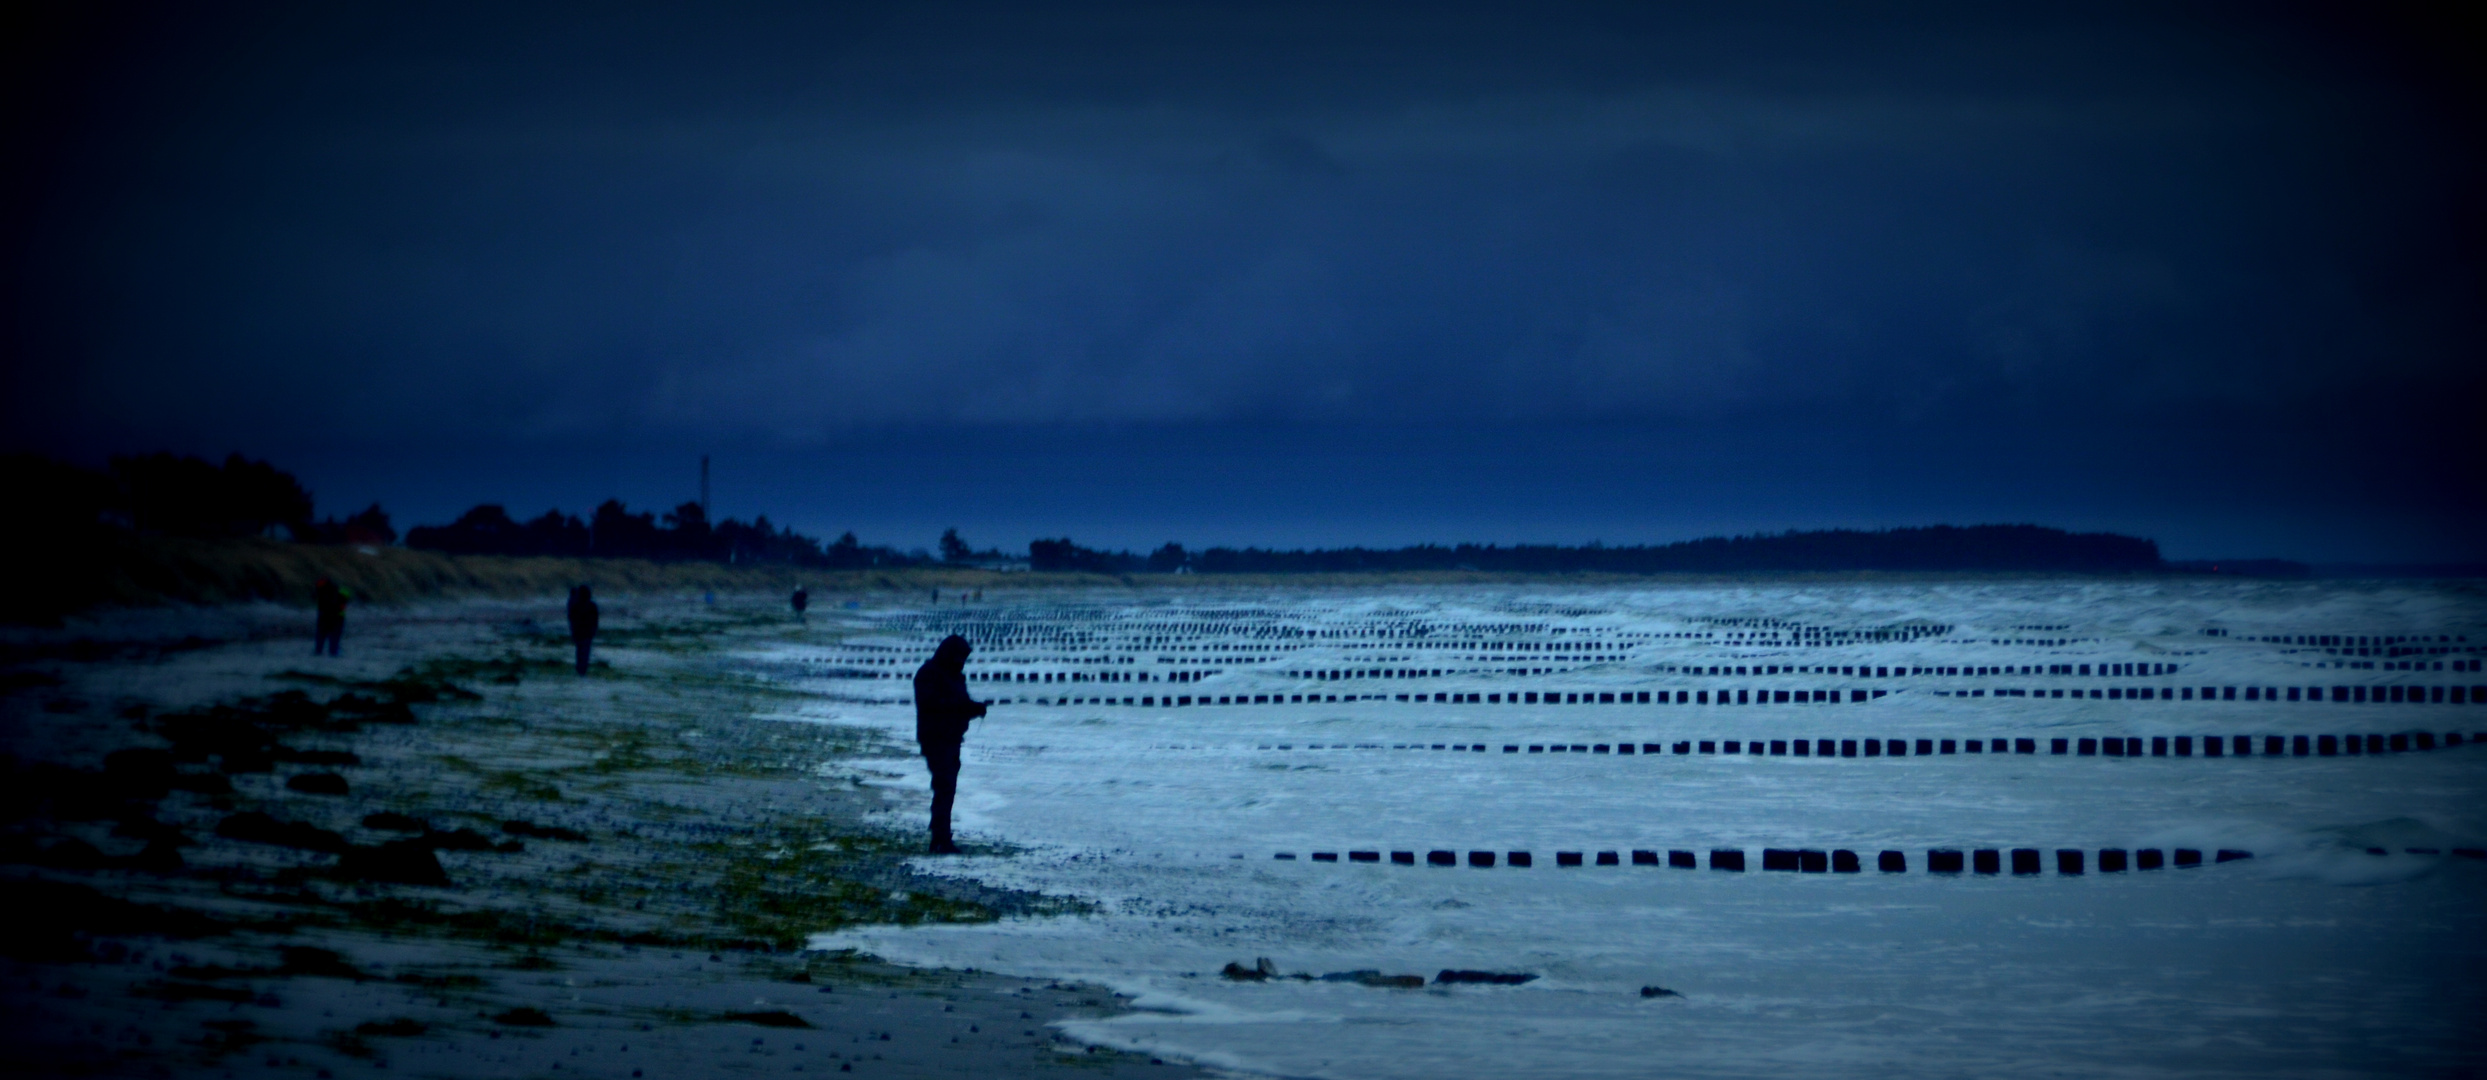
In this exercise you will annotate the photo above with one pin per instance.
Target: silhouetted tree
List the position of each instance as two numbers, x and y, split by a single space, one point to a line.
484 530
556 533
687 535
762 542
1062 554
261 495
186 496
615 532
489 530
60 536
1168 559
371 526
47 493
954 549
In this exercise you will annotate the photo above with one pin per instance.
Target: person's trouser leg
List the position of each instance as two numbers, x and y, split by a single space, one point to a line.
944 763
583 645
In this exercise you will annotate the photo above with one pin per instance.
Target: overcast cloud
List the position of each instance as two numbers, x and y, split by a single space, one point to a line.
790 225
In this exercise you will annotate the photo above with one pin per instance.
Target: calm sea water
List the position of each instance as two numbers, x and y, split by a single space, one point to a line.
2314 957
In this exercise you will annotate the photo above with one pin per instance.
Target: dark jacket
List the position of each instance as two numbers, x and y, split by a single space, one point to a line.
329 601
942 707
583 614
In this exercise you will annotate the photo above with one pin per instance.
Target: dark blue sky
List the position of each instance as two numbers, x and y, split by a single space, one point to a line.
1277 275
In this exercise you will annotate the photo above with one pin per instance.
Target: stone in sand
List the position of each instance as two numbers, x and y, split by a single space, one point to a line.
404 862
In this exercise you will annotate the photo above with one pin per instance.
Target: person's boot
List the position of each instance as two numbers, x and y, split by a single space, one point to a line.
943 846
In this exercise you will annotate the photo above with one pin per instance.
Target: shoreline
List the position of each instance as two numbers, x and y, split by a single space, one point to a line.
631 859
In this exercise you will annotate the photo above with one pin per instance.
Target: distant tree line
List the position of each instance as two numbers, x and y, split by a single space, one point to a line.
684 533
1939 547
167 495
2288 568
956 551
186 496
71 540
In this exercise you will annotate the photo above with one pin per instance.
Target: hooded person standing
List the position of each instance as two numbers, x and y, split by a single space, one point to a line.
942 713
583 619
328 624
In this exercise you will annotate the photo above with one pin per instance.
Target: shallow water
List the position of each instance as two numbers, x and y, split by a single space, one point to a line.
2314 957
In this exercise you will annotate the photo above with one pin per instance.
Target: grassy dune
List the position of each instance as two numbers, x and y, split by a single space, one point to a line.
61 579
120 569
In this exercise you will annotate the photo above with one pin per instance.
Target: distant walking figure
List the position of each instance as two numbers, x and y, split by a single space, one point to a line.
583 618
802 600
942 712
328 627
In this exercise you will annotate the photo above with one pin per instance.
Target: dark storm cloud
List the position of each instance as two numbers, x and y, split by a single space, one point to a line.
785 224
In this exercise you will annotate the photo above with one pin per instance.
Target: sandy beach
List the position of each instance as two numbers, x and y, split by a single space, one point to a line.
445 854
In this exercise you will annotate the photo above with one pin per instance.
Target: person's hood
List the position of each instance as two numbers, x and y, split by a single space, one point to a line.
952 652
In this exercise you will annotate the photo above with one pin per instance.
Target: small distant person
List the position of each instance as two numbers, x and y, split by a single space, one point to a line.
942 713
802 600
583 618
936 596
328 625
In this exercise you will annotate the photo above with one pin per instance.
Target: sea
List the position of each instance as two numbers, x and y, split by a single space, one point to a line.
1246 799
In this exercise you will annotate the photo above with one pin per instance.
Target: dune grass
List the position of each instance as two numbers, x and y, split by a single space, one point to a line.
105 569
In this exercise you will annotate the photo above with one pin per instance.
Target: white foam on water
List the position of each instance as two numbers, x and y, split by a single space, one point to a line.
2312 958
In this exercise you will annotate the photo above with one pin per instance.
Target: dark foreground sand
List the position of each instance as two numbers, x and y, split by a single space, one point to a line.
626 864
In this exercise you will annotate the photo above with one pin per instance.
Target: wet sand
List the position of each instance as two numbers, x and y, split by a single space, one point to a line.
445 854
